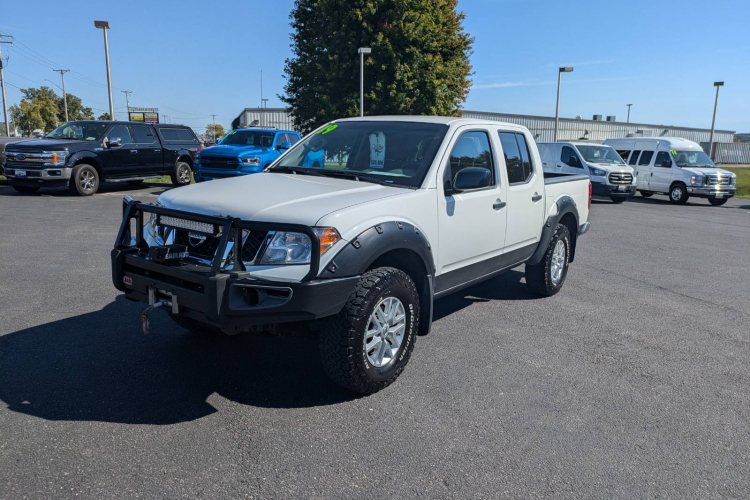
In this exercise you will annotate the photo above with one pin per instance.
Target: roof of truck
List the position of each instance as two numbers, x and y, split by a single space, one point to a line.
443 120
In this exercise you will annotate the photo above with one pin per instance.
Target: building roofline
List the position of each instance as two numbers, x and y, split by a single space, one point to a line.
583 120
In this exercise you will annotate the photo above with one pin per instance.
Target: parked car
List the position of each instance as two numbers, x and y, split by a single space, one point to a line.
243 152
4 141
408 209
677 167
610 176
81 154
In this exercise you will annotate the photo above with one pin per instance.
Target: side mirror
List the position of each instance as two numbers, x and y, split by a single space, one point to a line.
284 145
471 178
114 142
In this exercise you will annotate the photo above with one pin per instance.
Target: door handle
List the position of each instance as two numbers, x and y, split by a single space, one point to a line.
536 197
498 204
158 151
133 151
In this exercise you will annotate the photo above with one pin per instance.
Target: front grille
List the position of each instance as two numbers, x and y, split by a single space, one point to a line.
620 178
253 241
221 162
23 165
198 245
28 150
718 181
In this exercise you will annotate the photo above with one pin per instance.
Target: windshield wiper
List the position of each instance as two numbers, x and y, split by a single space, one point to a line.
297 170
360 177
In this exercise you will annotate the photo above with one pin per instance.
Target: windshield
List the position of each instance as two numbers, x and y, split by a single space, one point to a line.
248 138
388 152
79 131
600 154
687 159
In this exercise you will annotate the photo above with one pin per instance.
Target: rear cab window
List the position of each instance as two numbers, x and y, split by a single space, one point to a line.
177 134
517 157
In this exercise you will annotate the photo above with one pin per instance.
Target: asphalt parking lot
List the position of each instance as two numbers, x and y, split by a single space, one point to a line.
633 382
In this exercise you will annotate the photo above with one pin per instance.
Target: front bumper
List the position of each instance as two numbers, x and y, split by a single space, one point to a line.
603 189
232 300
38 176
722 191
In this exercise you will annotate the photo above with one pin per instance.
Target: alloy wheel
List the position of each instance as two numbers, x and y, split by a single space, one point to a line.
385 332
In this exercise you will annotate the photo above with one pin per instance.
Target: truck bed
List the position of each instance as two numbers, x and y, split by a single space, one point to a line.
575 186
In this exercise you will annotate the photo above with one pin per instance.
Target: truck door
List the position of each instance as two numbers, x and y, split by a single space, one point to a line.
117 160
525 193
662 170
146 150
471 223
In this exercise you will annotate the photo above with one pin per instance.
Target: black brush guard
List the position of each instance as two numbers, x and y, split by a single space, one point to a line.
231 299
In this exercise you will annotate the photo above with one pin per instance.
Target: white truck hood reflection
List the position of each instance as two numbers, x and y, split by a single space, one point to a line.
272 197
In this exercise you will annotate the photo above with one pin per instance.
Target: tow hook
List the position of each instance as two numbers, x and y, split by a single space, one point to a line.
154 304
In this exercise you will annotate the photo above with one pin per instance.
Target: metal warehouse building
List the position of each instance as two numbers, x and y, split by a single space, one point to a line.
542 127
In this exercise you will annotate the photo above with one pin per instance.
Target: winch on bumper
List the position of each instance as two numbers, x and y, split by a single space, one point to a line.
232 300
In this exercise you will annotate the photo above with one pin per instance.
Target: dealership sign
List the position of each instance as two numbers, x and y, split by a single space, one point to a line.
147 115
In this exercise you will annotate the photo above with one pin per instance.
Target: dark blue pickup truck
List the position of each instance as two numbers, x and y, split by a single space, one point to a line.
242 152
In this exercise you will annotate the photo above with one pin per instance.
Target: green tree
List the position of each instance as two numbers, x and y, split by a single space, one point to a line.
43 104
419 62
209 133
104 116
27 116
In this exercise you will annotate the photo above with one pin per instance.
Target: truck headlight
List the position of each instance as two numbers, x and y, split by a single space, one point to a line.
696 180
54 158
296 248
733 181
250 161
596 172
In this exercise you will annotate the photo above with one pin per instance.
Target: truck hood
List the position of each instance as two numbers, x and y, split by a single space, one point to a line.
272 197
708 171
232 150
50 144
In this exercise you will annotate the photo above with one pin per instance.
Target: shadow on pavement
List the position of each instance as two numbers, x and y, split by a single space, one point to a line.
104 187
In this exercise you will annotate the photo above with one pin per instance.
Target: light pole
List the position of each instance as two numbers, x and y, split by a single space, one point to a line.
213 117
104 26
713 121
362 51
65 97
557 107
628 105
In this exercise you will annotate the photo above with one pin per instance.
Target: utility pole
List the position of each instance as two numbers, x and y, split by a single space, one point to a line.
127 99
261 98
213 117
628 105
2 84
104 26
713 121
65 96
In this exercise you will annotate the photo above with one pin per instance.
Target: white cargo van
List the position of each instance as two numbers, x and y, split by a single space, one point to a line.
677 167
609 174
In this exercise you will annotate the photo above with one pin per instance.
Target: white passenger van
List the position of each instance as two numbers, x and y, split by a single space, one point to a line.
609 174
677 167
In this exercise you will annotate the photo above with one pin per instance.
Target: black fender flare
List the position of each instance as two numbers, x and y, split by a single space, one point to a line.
87 157
565 205
181 153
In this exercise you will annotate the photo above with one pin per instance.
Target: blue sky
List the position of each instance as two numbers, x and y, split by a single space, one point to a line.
192 59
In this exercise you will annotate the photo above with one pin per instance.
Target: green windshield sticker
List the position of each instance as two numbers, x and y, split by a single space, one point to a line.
232 132
674 153
329 128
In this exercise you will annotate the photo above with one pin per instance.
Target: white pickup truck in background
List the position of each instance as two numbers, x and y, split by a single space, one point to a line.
403 211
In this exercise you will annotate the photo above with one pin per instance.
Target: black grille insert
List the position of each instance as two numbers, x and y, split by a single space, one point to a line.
220 162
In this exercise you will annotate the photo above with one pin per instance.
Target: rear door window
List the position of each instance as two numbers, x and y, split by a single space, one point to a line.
645 158
143 134
634 158
517 158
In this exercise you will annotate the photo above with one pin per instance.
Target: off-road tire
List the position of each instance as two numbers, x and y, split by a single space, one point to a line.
342 348
618 199
678 194
178 177
647 194
25 189
194 326
539 276
717 202
76 179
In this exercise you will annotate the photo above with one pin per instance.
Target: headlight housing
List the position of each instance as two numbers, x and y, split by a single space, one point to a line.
250 161
696 180
296 248
54 158
733 181
597 172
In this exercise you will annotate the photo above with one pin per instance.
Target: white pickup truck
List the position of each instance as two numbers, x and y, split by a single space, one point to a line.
403 211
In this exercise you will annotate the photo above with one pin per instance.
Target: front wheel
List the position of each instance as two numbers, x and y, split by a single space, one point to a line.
367 345
547 277
678 194
717 202
182 174
25 189
617 199
84 180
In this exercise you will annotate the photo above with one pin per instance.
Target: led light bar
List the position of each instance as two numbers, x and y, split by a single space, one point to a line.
190 225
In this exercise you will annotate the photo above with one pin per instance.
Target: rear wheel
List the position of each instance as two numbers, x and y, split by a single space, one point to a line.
182 174
717 201
617 199
678 194
367 345
84 180
25 189
547 277
647 194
